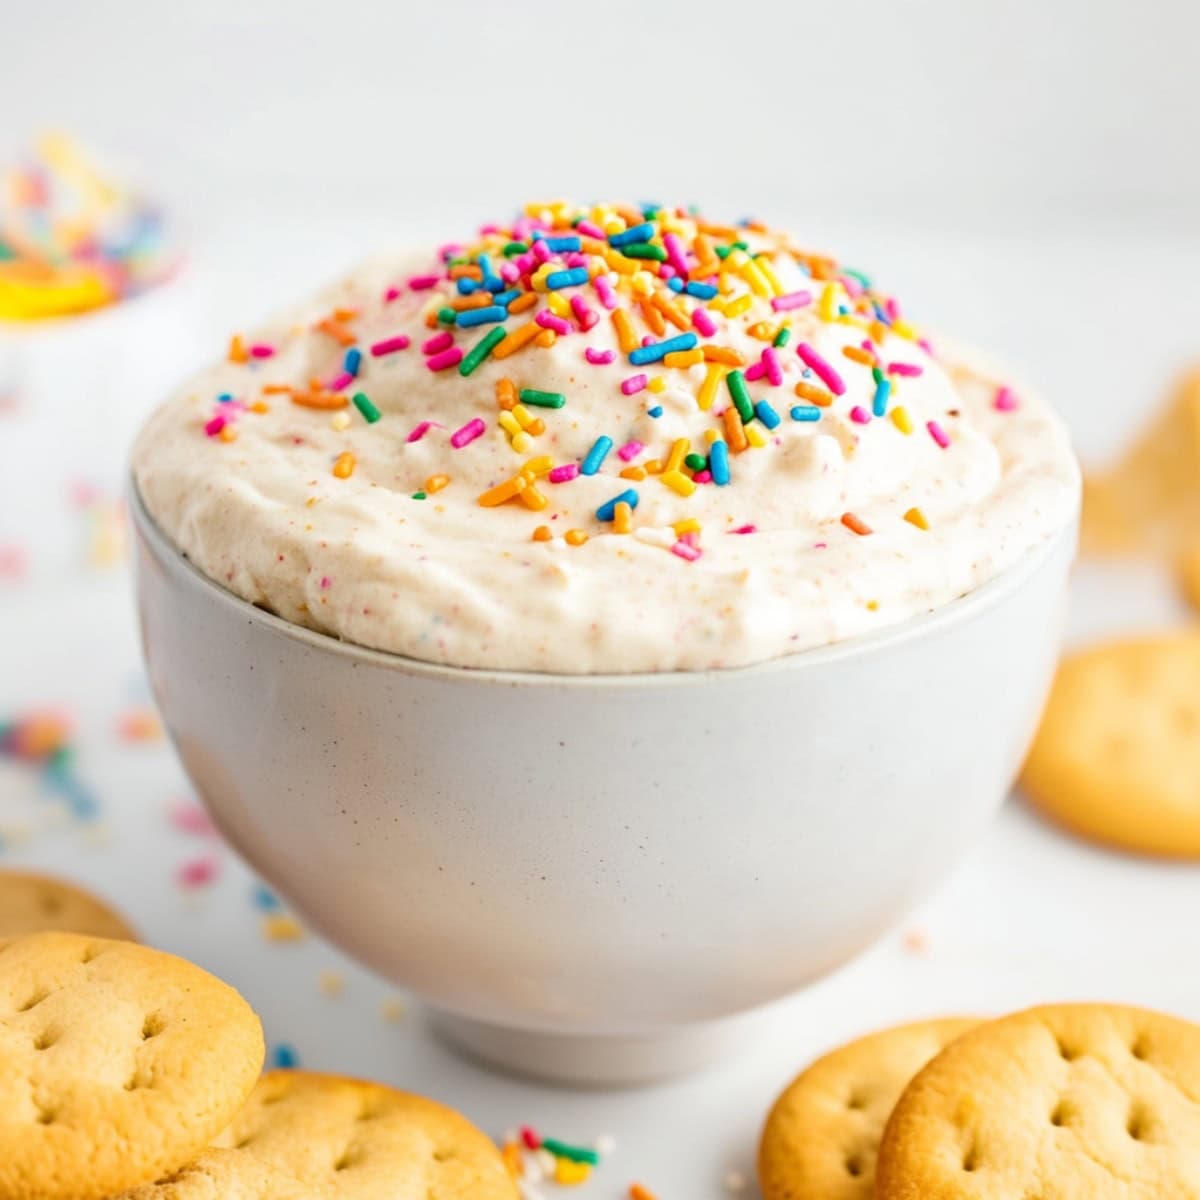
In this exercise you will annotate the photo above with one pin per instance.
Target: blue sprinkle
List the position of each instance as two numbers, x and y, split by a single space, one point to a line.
596 456
562 244
485 265
629 237
467 286
704 291
506 298
608 509
571 278
676 284
718 462
654 412
657 351
352 361
224 397
766 414
806 412
482 316
284 1056
265 900
883 389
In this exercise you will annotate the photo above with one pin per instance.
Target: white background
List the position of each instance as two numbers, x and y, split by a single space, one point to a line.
1024 174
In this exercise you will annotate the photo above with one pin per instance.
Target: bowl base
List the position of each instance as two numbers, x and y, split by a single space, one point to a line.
587 1060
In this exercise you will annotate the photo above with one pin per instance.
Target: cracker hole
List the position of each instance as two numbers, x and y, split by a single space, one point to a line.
1061 1114
1138 1124
32 1002
1139 1049
442 1155
856 1102
854 1165
971 1159
346 1160
52 906
46 1116
90 955
152 1026
45 1040
1068 1053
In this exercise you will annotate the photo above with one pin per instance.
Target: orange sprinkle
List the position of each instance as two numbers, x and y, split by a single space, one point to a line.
546 338
652 466
622 517
536 427
724 354
815 395
324 400
653 318
228 434
852 523
684 358
431 319
575 537
260 406
735 431
237 350
672 312
466 271
435 483
345 314
532 498
337 331
637 1192
523 303
515 340
916 517
633 473
277 389
344 467
877 330
474 300
503 491
542 533
506 394
512 1156
859 355
726 233
626 338
762 330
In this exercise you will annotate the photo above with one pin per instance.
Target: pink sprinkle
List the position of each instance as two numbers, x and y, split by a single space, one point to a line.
633 385
892 308
575 259
630 451
912 370
213 427
390 345
690 539
648 340
666 271
745 529
448 358
563 474
927 346
598 357
755 371
676 255
938 434
262 350
540 251
705 325
702 477
198 873
547 320
422 283
854 289
510 272
771 362
860 415
604 290
326 582
468 433
588 229
391 294
682 550
827 375
437 343
419 431
791 300
1006 400
584 315
338 382
490 227
191 818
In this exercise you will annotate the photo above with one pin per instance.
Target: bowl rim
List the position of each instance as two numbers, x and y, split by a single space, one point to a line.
954 612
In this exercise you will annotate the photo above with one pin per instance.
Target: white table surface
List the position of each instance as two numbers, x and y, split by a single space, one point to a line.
1030 916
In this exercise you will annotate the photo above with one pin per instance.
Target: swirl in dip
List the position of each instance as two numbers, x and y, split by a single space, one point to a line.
603 439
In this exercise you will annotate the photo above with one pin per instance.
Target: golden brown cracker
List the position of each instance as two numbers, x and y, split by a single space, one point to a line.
31 903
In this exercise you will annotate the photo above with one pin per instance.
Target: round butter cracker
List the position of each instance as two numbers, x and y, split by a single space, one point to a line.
118 1063
32 903
1117 757
822 1136
307 1136
1063 1102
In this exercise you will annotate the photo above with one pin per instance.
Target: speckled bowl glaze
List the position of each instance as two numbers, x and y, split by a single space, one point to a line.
596 878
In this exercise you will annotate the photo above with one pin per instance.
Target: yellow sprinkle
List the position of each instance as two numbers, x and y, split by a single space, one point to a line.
679 448
533 499
678 482
507 421
764 265
539 276
522 443
916 517
340 421
622 517
755 436
523 415
537 466
643 283
827 305
344 467
684 358
503 492
752 274
575 537
688 525
568 1173
559 305
542 533
279 927
901 419
435 483
633 473
656 384
735 308
905 330
708 389
711 435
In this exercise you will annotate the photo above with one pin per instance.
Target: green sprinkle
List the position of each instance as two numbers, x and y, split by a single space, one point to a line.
574 1153
865 280
740 396
645 250
481 350
370 413
723 251
513 248
650 211
458 260
877 375
783 337
741 245
419 496
542 399
447 316
697 462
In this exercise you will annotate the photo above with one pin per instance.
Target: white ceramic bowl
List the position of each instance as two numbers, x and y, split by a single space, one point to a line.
593 877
